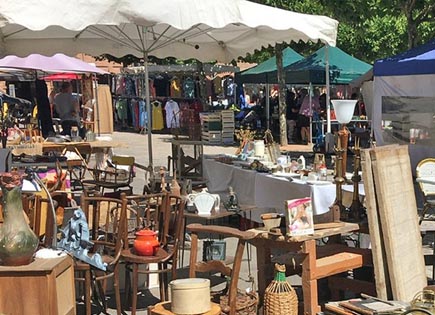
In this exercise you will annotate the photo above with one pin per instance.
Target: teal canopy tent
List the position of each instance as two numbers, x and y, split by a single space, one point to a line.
343 68
258 74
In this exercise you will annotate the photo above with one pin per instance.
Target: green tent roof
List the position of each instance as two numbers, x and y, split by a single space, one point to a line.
342 66
257 74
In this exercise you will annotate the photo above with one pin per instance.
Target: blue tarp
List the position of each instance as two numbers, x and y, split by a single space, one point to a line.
418 60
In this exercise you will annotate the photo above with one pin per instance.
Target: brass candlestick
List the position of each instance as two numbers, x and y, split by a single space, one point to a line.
357 211
338 210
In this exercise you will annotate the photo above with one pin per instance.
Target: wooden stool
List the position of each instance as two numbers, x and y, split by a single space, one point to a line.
164 308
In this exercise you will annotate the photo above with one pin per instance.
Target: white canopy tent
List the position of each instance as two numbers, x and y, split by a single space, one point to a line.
207 30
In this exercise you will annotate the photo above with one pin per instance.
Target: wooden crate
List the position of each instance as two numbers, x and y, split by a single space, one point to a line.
45 286
212 137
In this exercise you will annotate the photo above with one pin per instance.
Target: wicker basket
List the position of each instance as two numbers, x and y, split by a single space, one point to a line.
280 298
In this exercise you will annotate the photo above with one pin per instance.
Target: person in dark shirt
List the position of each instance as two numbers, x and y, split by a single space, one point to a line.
292 111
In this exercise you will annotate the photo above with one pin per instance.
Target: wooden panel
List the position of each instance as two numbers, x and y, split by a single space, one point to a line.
399 220
337 263
65 292
382 281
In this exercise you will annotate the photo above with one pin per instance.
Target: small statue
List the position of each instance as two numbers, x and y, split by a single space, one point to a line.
232 203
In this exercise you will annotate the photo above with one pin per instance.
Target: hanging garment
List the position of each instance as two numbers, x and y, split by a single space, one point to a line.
188 88
152 88
120 85
132 112
157 118
172 114
175 87
161 85
217 82
121 109
130 88
143 121
229 86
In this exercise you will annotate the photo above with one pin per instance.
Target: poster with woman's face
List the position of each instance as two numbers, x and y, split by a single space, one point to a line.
299 217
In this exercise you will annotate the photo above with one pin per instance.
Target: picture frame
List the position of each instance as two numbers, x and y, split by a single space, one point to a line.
214 250
299 217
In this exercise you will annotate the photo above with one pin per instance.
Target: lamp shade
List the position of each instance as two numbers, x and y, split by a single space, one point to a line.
344 110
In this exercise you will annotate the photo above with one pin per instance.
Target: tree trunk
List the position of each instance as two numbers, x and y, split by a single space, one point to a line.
412 32
282 91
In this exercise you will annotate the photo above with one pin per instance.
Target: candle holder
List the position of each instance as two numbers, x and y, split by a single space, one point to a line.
343 111
357 212
339 212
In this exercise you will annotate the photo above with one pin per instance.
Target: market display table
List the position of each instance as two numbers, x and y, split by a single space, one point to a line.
266 191
318 262
98 145
45 286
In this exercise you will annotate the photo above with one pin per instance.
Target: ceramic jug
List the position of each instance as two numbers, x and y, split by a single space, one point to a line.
146 243
205 202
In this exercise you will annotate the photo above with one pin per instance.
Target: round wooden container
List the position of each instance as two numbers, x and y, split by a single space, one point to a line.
190 296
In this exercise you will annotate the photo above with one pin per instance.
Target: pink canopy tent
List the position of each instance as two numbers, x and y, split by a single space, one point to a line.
51 64
58 63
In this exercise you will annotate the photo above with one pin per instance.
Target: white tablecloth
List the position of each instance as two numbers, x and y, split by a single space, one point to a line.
265 191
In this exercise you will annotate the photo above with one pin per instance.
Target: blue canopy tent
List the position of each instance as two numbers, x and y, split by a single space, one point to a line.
419 60
404 99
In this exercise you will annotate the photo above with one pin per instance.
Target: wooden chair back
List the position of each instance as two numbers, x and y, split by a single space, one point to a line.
426 170
144 211
107 220
219 265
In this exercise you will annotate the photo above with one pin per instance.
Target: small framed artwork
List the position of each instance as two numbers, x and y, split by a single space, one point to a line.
299 217
214 250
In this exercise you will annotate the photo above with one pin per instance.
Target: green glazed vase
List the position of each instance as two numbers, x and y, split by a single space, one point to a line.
18 243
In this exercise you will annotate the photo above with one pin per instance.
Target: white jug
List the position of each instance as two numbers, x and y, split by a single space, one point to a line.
204 202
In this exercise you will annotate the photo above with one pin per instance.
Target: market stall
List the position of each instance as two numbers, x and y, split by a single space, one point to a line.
403 101
41 65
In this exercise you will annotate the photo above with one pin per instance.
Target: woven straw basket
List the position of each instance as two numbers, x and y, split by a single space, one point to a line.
280 298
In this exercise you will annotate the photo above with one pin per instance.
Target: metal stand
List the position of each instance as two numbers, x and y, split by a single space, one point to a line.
33 177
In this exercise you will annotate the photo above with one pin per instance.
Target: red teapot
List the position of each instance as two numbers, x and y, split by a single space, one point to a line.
146 243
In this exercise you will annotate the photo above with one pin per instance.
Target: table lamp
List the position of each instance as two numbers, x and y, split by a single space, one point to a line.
343 111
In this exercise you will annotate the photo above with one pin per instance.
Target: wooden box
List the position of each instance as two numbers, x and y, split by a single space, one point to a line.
44 287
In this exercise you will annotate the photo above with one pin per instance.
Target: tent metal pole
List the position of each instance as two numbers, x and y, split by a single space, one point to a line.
148 104
267 106
311 112
328 106
94 80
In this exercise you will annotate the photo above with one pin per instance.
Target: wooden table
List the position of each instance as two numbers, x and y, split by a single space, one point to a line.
97 146
45 286
317 263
